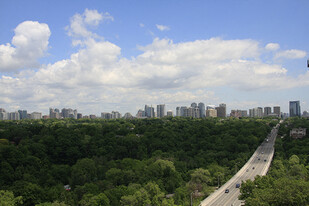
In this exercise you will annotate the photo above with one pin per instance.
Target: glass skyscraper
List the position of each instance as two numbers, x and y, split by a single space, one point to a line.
295 109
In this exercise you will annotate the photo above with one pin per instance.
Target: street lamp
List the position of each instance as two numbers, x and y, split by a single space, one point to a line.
191 198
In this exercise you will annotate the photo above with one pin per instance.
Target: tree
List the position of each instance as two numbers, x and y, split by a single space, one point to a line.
83 171
7 198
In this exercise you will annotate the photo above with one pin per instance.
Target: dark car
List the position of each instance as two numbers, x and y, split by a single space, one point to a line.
237 185
227 191
264 160
253 168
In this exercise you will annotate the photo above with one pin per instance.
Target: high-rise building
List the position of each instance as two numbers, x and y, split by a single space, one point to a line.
295 109
277 110
149 111
128 115
36 115
22 114
183 111
116 115
201 107
178 112
79 115
193 105
140 114
256 112
160 110
267 111
13 116
106 115
3 115
221 110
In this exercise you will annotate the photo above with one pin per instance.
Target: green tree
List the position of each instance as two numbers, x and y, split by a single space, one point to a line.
7 198
83 171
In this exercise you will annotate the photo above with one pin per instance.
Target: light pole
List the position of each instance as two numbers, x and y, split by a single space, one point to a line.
191 198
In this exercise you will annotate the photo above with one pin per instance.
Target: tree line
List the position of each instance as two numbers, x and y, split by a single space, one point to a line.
122 162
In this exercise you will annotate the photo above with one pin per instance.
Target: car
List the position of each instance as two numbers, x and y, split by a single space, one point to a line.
237 185
262 152
247 170
253 168
227 191
259 159
265 160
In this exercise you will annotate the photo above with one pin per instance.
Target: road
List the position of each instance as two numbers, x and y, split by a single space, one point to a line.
258 164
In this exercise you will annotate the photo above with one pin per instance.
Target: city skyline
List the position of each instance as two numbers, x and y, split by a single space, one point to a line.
100 56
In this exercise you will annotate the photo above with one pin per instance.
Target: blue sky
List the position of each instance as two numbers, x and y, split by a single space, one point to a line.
99 56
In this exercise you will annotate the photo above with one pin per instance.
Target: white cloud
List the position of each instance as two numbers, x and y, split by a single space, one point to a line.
97 78
79 23
291 54
29 43
272 46
162 27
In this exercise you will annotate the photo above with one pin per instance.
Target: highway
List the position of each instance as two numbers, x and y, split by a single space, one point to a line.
258 164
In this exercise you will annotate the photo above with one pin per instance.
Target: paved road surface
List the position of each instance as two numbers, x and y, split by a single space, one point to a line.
260 161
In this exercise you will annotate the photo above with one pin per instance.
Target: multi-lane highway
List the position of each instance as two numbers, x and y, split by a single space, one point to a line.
258 164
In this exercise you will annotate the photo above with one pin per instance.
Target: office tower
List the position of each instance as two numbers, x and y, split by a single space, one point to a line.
211 113
160 110
193 105
235 113
267 111
202 110
256 112
196 112
92 116
3 115
210 107
54 113
149 111
295 109
106 115
177 111
244 113
169 113
221 110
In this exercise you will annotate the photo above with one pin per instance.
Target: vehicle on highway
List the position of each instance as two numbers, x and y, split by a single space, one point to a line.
253 168
258 158
264 160
227 191
262 152
237 185
247 170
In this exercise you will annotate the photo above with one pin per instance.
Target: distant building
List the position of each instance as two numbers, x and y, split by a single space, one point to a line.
298 133
128 115
221 110
36 115
69 113
149 111
235 113
79 115
201 107
211 113
3 115
305 114
295 109
256 112
116 115
140 114
177 111
92 116
277 110
13 116
169 113
54 113
22 114
106 115
193 105
183 110
160 110
267 111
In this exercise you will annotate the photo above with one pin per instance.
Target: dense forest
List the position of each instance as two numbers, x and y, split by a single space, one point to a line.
123 162
287 182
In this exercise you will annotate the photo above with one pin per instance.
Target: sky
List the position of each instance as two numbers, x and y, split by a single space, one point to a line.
101 56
